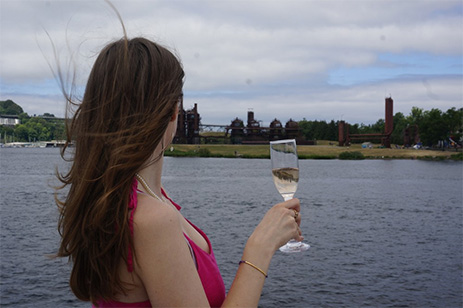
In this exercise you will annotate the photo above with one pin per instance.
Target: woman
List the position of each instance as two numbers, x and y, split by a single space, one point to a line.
129 243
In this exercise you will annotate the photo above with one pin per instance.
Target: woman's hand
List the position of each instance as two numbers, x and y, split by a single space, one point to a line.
279 225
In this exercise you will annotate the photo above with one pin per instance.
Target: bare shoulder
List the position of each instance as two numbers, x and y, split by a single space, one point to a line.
152 215
162 258
156 227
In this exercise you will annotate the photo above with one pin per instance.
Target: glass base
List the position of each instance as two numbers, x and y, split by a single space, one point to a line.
293 246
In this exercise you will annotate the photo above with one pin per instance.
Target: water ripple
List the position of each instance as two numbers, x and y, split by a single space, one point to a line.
382 233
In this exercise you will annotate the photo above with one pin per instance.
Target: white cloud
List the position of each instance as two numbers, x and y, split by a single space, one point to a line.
39 104
273 56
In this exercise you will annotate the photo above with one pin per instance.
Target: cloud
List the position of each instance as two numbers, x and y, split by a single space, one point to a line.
40 104
354 104
287 59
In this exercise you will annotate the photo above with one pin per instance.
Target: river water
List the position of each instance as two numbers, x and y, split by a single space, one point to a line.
383 233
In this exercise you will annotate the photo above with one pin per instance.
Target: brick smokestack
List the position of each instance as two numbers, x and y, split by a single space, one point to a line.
389 117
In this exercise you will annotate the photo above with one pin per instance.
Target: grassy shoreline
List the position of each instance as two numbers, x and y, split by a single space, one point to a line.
322 151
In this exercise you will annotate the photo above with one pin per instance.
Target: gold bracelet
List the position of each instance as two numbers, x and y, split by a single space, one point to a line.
250 264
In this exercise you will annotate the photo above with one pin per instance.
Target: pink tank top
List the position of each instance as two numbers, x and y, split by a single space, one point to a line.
206 264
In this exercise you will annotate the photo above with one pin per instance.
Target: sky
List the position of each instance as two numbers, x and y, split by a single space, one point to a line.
286 59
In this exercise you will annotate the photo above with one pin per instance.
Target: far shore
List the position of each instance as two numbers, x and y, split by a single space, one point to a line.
324 150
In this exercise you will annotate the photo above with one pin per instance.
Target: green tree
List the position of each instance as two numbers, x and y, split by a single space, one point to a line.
454 118
33 129
416 116
23 117
57 131
332 131
9 107
363 129
6 131
306 129
21 132
433 127
400 123
378 127
318 130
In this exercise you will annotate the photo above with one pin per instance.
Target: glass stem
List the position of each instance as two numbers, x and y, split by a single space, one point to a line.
292 242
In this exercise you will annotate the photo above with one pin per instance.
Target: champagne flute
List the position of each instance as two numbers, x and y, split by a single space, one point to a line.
285 171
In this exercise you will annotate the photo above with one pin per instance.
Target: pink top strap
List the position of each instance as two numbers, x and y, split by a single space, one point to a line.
133 201
205 262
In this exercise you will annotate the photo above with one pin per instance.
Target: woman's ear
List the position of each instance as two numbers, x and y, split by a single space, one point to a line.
174 115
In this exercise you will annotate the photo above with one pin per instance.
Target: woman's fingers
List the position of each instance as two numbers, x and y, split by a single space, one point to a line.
294 208
297 217
299 238
292 204
280 224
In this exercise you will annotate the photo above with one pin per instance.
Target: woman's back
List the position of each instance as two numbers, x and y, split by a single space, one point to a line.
200 250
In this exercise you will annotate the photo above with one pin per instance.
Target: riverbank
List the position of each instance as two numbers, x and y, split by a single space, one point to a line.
321 151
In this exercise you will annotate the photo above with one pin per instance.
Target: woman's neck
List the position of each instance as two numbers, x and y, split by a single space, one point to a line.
152 176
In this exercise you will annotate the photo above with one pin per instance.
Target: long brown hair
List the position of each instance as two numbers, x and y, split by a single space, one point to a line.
130 97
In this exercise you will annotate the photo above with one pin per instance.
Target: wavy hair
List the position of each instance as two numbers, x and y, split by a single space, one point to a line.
130 97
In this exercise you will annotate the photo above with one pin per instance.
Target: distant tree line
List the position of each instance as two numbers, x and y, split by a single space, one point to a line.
433 125
37 128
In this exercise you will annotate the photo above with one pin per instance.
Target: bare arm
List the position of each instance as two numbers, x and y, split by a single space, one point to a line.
169 275
275 229
163 260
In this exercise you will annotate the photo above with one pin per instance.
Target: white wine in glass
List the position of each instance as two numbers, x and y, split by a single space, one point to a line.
285 171
286 180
